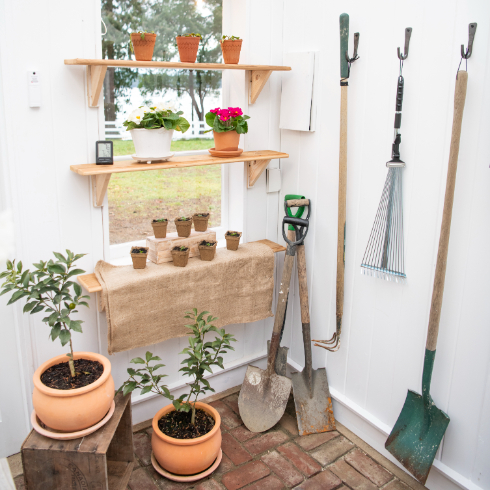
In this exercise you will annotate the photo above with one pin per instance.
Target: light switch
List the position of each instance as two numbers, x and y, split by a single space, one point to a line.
273 178
34 82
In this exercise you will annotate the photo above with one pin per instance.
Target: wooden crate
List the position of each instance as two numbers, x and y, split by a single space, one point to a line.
160 247
101 461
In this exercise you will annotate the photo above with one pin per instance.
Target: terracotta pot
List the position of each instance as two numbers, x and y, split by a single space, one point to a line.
231 51
180 258
139 260
159 228
207 253
200 222
184 228
143 48
186 456
232 241
188 48
78 409
228 140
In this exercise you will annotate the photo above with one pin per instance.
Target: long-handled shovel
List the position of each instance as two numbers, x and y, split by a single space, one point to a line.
420 427
264 394
312 400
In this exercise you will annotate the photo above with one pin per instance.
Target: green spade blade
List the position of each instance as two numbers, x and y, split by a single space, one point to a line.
419 430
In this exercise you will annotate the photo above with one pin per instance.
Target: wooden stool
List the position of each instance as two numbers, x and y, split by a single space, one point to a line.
100 461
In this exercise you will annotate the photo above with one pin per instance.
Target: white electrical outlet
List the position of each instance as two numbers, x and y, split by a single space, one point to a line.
273 178
34 81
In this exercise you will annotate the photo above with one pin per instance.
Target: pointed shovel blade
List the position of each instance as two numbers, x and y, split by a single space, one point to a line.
417 434
314 411
262 399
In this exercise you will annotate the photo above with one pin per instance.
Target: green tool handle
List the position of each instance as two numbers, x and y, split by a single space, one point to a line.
440 274
299 211
344 45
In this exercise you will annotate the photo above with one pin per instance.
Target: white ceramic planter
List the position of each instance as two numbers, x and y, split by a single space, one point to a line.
152 143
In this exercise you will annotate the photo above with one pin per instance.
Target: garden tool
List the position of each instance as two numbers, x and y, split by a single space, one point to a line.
282 354
383 257
264 394
345 63
420 427
310 387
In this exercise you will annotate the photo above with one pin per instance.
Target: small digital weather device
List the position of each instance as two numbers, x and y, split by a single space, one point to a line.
104 153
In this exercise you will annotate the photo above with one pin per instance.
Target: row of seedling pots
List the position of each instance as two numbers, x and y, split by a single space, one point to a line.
183 225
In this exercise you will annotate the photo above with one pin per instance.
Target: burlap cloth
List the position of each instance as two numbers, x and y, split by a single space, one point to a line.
147 306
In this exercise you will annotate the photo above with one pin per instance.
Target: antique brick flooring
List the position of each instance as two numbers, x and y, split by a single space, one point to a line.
276 459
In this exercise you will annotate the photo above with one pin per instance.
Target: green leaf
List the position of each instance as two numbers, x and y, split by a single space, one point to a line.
137 360
158 366
146 389
78 289
37 309
75 325
148 356
17 295
29 306
60 257
55 332
19 266
65 336
56 269
129 387
75 272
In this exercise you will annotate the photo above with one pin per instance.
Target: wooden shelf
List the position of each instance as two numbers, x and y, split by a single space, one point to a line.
90 283
96 70
256 162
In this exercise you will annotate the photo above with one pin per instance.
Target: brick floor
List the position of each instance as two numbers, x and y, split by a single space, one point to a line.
276 459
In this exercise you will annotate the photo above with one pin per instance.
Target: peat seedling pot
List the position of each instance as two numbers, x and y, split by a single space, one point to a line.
72 410
188 47
231 51
143 44
180 256
139 255
232 239
207 250
184 226
200 221
160 227
227 140
186 456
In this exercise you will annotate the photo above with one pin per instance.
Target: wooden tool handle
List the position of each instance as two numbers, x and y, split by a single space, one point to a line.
341 206
440 275
297 203
344 44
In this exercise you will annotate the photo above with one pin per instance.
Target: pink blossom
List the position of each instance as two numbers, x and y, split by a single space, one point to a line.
235 111
215 111
224 114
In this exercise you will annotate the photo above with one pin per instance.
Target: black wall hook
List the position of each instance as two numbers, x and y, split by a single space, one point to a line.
408 34
356 45
471 38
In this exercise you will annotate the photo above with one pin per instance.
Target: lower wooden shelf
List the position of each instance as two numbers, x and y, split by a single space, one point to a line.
91 284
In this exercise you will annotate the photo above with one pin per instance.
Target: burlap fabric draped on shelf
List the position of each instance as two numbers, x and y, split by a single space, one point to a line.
147 306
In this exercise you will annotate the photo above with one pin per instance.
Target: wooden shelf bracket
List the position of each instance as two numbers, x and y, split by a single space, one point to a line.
99 188
255 169
95 81
258 79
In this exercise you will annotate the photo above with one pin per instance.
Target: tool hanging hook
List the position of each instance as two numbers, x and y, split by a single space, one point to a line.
356 45
408 34
471 37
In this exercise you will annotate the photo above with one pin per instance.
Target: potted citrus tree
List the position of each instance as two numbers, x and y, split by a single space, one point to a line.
188 46
142 45
73 391
152 128
231 47
227 126
186 437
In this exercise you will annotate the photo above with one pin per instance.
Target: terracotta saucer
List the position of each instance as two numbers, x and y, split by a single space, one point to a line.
225 153
186 478
66 436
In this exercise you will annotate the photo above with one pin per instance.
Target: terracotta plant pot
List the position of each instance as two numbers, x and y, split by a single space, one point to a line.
207 253
184 228
231 51
160 228
78 409
232 241
186 456
180 257
188 48
200 222
139 259
143 48
228 140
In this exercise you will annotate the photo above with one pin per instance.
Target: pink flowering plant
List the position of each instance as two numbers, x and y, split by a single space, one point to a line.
231 119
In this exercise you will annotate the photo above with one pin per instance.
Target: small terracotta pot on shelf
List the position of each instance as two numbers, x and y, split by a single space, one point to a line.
143 47
184 227
139 258
231 51
159 228
207 252
188 48
200 221
232 241
186 456
228 140
180 257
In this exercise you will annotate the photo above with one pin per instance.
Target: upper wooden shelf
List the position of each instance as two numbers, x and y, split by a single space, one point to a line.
256 162
92 285
96 70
